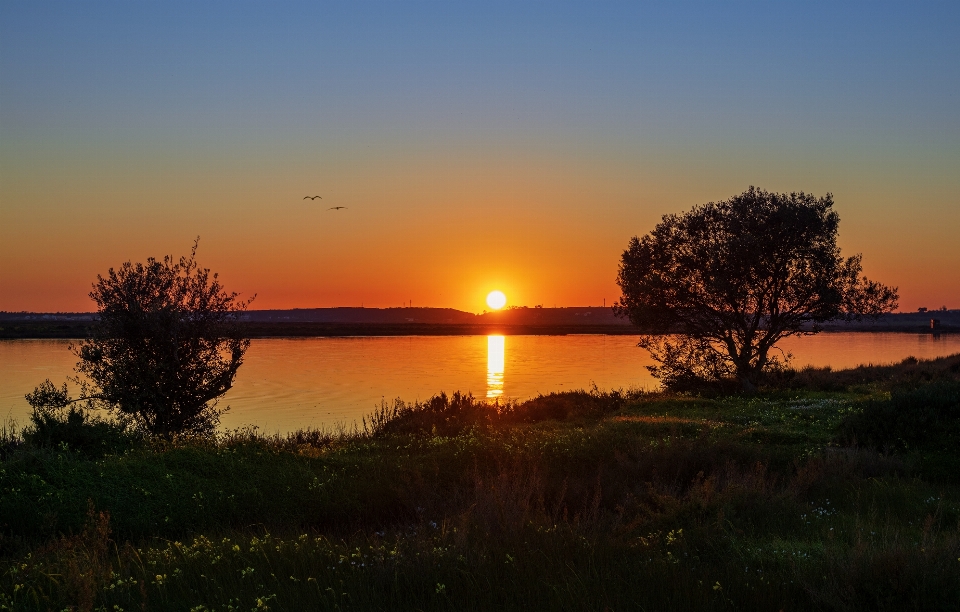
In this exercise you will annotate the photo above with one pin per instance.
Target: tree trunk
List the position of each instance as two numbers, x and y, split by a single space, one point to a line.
746 373
747 376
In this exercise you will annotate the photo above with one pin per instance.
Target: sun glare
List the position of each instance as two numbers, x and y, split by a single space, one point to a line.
494 366
496 300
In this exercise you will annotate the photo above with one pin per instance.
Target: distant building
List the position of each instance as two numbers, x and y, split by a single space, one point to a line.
922 309
934 323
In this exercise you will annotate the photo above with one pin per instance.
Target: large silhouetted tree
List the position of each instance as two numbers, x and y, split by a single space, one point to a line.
715 288
166 346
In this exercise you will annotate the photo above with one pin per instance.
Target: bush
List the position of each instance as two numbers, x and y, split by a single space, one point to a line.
166 345
80 431
910 372
927 416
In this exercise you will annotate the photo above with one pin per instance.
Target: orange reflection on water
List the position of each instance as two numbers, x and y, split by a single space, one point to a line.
495 345
287 384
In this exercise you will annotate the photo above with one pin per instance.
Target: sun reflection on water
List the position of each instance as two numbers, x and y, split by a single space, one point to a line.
495 346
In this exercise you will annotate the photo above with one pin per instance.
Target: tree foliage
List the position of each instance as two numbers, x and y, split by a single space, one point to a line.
730 279
167 345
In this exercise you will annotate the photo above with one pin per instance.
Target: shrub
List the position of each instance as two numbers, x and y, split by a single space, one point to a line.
166 346
910 372
927 416
78 430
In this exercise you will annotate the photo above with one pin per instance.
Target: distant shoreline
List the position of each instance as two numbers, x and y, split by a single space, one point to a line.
12 330
425 321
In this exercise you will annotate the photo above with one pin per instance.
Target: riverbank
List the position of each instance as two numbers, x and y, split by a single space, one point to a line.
811 495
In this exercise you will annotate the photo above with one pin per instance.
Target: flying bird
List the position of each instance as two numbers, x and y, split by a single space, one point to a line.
311 197
336 207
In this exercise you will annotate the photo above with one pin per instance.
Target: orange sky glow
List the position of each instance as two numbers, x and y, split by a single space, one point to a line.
472 153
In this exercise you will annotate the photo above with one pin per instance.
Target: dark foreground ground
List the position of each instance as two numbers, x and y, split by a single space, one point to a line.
828 491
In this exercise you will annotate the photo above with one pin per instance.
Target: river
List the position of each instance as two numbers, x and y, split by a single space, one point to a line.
287 383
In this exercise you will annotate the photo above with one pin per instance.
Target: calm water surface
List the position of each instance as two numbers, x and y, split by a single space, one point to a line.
287 384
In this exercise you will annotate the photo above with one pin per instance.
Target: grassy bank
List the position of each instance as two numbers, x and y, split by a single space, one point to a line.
830 490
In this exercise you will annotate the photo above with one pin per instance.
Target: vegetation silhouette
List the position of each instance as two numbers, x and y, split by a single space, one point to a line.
732 278
167 345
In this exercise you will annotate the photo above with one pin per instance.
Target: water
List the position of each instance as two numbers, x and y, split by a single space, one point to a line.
287 384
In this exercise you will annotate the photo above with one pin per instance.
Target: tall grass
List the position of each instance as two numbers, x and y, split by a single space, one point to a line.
909 372
444 415
11 438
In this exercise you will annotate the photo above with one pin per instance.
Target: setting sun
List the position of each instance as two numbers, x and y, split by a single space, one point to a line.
496 300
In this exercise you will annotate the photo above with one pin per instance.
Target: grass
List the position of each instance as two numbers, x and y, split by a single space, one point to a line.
788 500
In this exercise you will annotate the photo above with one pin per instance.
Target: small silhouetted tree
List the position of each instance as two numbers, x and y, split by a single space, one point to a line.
166 346
714 289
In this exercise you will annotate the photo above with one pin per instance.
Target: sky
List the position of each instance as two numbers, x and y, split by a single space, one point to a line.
476 146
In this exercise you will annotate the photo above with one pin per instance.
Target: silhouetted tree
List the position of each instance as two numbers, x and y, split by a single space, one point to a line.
167 345
729 279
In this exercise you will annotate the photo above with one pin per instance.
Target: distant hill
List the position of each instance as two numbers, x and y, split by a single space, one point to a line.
577 315
361 315
47 316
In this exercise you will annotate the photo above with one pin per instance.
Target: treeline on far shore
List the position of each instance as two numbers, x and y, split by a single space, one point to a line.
279 329
425 321
271 329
